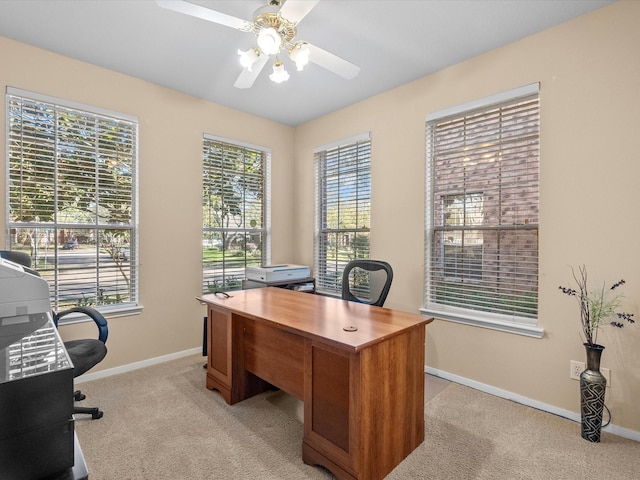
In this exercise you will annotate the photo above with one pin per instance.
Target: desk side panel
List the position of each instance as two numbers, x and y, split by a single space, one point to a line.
330 412
392 402
332 409
219 375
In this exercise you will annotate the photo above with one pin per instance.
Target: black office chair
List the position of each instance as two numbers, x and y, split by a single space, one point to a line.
367 281
84 353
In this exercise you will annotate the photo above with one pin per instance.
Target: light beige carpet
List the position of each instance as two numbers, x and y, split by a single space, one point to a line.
162 423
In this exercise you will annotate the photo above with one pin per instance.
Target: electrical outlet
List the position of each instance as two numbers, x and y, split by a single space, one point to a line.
576 368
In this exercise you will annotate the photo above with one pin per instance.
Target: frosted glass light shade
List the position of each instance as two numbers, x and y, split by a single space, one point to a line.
248 57
299 53
279 74
269 41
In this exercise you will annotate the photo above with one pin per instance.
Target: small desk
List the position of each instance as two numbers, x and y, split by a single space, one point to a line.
363 389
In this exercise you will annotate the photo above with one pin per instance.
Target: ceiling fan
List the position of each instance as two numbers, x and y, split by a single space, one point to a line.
275 28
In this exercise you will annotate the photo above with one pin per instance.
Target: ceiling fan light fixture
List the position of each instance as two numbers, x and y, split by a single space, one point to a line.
269 41
274 26
248 57
299 53
279 74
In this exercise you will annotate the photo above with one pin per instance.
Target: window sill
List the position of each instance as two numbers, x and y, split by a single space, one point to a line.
107 311
485 322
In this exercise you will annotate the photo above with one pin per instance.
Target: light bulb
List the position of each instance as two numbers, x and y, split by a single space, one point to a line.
248 57
279 74
299 53
269 41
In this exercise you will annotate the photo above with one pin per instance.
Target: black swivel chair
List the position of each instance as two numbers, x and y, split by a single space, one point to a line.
84 353
367 281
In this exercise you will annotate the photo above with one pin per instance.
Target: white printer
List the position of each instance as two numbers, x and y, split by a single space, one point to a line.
24 302
278 273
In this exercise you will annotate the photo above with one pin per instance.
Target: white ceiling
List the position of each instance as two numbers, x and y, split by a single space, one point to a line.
393 41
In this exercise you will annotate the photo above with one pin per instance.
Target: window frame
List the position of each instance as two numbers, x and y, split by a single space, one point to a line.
57 225
501 322
212 231
329 280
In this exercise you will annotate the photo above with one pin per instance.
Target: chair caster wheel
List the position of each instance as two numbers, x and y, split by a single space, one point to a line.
77 396
97 415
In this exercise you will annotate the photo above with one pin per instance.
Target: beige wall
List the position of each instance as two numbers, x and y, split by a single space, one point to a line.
589 74
170 163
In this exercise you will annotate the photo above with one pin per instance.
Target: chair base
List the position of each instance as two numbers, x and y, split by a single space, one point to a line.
95 412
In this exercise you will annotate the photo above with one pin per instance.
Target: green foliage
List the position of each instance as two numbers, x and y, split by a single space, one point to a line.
73 166
233 185
360 245
597 306
101 299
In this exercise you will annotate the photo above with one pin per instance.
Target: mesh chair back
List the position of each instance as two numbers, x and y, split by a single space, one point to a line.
20 258
367 281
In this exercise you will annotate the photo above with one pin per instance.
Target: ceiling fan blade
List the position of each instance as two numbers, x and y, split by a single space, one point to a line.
197 11
296 10
246 77
333 63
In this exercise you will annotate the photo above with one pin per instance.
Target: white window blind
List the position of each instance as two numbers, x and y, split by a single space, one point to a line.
343 200
482 212
72 198
235 208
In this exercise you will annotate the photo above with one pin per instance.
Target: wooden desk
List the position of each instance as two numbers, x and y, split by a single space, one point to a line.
363 390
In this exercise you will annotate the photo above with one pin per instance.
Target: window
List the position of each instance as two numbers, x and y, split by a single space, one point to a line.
482 212
235 212
72 198
343 199
462 249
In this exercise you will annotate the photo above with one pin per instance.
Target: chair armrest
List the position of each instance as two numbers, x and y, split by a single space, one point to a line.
95 315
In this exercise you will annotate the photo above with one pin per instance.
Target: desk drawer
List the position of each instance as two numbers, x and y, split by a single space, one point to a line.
274 355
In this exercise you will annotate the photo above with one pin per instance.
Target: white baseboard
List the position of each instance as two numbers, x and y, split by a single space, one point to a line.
136 365
545 407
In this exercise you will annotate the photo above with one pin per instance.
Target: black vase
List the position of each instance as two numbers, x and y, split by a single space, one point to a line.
592 390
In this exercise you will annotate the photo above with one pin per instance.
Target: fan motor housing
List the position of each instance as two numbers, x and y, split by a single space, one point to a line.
286 29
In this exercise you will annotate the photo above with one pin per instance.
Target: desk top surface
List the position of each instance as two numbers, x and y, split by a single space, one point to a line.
319 316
